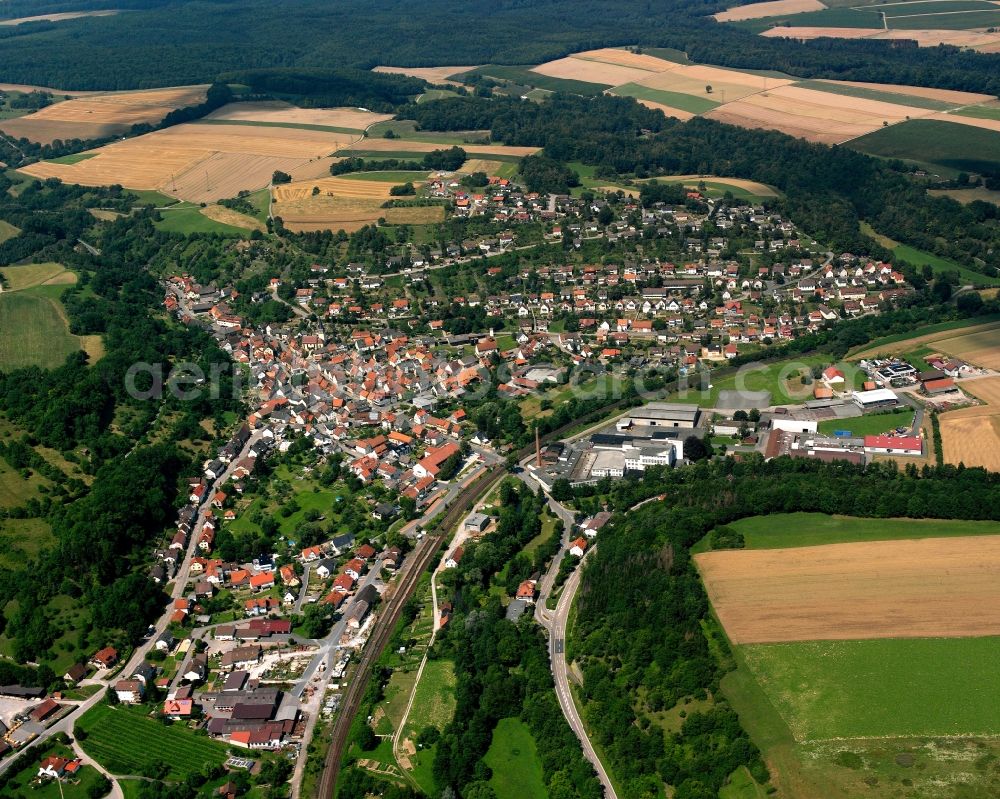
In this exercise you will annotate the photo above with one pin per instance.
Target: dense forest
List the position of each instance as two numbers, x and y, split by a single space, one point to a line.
642 643
503 668
165 43
84 411
828 190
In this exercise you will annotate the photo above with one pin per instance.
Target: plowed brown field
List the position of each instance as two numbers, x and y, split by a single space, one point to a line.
935 587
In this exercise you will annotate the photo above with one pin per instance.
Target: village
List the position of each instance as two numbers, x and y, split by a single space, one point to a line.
372 381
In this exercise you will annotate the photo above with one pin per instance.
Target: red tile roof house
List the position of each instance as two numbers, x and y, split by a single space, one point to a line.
105 658
262 581
430 464
578 547
58 767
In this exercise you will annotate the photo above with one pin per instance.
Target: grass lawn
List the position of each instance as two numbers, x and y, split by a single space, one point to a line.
188 218
525 77
781 379
436 94
35 329
434 701
126 741
407 129
513 757
75 158
742 786
813 529
685 102
260 200
28 275
872 425
21 539
864 689
980 111
876 94
7 231
296 125
942 147
387 176
16 490
151 197
668 54
20 782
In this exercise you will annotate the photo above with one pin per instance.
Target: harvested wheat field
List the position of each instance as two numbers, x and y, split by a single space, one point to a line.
285 114
410 146
927 339
727 85
574 68
814 115
59 17
342 187
934 587
944 95
807 32
980 349
339 204
773 8
972 435
99 115
625 58
201 163
436 75
932 38
27 89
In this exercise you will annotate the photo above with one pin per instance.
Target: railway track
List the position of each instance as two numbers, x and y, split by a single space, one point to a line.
415 566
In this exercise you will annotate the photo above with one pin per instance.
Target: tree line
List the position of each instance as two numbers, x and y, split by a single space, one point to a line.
641 642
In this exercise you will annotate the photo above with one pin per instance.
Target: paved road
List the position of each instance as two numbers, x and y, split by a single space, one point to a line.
329 644
560 672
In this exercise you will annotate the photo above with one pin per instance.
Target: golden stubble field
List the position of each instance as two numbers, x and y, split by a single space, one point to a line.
981 40
200 163
934 587
285 114
972 435
771 8
340 204
415 146
753 100
435 75
814 115
95 116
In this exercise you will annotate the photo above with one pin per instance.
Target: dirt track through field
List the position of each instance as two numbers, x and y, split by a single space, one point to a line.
935 587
